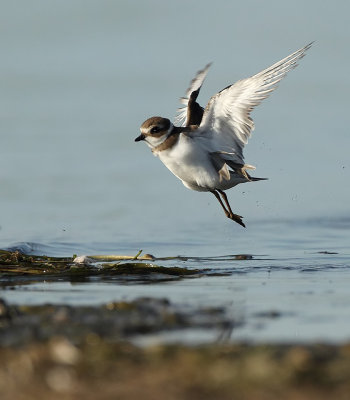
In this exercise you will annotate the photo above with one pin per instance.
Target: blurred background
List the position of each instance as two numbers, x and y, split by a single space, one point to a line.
77 78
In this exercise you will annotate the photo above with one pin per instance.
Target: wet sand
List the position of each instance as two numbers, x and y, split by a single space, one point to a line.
57 369
61 352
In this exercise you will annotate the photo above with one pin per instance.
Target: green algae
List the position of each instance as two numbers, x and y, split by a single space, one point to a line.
14 263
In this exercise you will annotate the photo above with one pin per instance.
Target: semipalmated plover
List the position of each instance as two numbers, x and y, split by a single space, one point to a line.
204 148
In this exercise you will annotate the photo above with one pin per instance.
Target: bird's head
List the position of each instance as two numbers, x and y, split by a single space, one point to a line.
155 130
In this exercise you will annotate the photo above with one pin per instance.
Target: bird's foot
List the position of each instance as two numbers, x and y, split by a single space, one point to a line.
236 218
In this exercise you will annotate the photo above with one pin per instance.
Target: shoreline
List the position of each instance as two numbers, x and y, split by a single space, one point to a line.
44 354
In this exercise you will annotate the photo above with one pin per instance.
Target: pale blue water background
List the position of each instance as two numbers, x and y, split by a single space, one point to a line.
76 81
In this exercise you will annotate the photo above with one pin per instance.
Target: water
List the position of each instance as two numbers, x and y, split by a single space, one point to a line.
76 82
297 290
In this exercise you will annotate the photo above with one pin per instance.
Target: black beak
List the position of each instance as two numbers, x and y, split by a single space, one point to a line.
141 137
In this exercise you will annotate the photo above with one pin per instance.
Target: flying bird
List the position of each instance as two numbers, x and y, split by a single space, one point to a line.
204 147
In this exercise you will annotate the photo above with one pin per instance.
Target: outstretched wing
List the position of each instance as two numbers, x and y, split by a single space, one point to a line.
192 112
226 122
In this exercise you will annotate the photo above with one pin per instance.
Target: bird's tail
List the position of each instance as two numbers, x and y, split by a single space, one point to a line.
251 178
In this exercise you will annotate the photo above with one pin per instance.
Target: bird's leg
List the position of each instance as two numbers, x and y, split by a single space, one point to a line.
230 214
216 194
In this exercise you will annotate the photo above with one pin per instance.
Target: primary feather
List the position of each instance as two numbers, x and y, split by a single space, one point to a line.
226 122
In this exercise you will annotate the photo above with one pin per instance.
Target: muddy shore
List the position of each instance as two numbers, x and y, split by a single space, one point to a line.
60 352
86 352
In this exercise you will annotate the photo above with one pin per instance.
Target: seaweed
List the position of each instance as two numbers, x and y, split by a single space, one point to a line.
14 263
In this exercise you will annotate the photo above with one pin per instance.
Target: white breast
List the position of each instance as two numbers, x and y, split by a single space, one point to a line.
190 162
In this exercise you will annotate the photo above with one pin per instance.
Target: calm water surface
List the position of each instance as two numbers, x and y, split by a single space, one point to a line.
76 82
294 289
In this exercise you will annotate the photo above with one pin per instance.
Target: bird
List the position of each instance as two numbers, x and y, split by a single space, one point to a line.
204 146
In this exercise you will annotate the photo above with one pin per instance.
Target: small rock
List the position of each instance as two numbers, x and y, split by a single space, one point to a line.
63 351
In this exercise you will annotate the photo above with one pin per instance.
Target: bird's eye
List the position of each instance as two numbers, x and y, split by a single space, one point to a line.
155 129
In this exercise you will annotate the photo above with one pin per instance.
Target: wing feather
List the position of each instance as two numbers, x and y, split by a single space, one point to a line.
181 118
226 121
